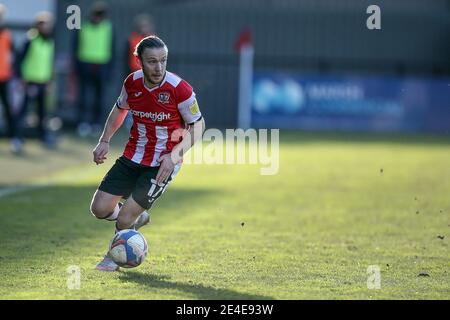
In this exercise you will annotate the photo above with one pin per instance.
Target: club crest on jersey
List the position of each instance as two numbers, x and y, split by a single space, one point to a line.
163 97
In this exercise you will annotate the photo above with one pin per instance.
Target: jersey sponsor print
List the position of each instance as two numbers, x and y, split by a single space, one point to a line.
158 113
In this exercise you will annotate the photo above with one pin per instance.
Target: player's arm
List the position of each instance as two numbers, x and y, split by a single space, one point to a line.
190 112
114 121
193 134
168 161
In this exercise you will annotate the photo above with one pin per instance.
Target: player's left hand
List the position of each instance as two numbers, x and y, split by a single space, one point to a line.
166 168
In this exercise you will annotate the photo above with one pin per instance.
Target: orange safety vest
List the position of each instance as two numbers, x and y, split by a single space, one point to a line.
5 55
133 40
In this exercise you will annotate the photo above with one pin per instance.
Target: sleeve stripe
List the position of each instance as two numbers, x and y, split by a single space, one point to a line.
117 105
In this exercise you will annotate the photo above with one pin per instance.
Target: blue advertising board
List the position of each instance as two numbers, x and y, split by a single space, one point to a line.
360 103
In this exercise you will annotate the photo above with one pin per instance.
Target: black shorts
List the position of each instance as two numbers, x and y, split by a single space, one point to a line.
127 178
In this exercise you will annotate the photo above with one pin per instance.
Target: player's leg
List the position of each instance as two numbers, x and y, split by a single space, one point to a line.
146 192
117 183
105 205
132 215
130 212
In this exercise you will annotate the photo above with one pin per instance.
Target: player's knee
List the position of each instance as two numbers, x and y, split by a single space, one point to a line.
99 211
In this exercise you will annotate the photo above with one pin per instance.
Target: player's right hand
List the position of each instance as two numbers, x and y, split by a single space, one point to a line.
100 152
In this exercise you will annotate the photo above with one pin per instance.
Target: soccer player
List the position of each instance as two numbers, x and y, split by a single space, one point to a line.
163 106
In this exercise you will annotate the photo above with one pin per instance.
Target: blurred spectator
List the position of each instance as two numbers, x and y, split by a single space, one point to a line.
35 68
144 27
94 55
6 72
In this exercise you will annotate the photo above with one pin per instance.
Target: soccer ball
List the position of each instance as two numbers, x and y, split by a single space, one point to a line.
128 248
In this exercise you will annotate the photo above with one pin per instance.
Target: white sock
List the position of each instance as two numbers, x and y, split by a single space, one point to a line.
139 216
113 216
117 229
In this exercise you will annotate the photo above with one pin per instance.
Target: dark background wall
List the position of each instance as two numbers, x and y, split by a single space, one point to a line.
326 36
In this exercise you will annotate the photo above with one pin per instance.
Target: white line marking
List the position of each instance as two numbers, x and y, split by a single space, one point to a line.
13 190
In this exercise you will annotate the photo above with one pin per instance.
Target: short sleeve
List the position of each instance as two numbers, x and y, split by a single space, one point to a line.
187 103
122 101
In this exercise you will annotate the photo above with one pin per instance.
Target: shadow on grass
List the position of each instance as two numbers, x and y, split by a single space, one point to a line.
39 220
200 291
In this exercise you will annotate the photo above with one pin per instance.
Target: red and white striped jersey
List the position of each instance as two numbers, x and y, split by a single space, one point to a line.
159 115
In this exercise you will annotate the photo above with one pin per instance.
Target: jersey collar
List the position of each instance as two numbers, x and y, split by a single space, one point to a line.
158 86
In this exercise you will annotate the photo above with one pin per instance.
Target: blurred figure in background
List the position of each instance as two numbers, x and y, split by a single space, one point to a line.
6 72
35 64
94 55
144 27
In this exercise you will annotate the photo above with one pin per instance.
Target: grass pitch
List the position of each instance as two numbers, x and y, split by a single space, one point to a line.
338 205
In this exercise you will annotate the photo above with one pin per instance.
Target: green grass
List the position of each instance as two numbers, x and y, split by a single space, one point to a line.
338 205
